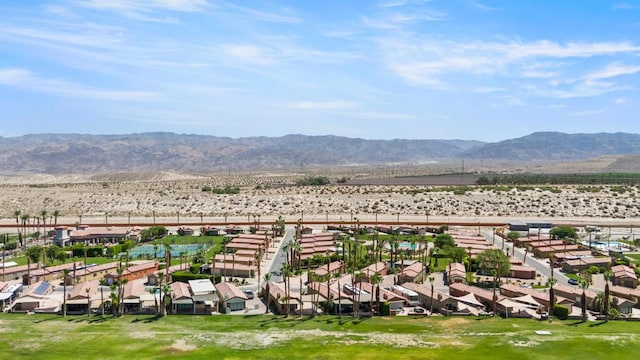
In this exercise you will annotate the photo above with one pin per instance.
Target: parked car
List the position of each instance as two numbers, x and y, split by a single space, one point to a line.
573 282
418 310
250 294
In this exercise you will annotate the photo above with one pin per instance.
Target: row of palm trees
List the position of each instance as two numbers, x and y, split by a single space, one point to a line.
23 222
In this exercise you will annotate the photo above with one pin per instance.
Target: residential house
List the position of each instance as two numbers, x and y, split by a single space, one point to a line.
578 265
8 294
51 273
81 298
36 298
455 273
412 272
441 302
624 276
231 297
329 269
204 296
181 300
137 270
522 272
277 299
626 293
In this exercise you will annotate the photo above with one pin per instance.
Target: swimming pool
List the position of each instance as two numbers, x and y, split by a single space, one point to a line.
149 250
603 245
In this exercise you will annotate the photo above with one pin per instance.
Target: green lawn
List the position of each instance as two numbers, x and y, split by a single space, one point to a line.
91 260
271 337
634 258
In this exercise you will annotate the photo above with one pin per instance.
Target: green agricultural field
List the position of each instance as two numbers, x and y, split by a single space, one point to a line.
272 337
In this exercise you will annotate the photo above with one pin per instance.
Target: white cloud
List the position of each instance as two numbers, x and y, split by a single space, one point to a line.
25 79
624 6
145 5
488 90
613 70
265 15
383 116
248 54
621 101
484 7
587 88
422 61
397 3
325 105
80 35
586 112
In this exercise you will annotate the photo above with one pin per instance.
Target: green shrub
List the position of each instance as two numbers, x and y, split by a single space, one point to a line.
560 311
195 269
313 181
183 276
385 308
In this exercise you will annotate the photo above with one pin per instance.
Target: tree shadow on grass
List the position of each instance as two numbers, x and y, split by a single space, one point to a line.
98 320
597 323
576 323
146 320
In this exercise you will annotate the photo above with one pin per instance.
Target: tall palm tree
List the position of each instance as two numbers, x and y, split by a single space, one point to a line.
431 280
56 213
584 284
166 292
65 273
267 287
87 290
376 279
337 276
115 299
258 259
102 283
286 272
43 214
607 278
25 219
154 292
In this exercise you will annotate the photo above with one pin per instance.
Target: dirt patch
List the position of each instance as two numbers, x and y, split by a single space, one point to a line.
454 323
181 345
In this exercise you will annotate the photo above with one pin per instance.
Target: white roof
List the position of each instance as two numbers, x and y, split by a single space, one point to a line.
404 290
202 286
469 299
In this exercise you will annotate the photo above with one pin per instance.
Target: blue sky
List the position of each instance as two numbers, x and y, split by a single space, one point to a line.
486 70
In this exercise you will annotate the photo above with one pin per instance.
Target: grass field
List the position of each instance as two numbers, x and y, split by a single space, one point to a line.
271 337
634 258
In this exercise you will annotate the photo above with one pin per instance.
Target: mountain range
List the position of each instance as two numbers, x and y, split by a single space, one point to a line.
76 153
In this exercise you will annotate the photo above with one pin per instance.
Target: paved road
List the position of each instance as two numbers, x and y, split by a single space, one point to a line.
541 266
280 257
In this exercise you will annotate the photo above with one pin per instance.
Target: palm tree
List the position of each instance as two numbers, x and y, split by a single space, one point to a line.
337 276
607 278
43 214
584 284
115 298
267 287
122 283
56 213
25 219
102 283
286 272
431 280
88 302
376 279
166 291
258 258
552 296
154 292
65 273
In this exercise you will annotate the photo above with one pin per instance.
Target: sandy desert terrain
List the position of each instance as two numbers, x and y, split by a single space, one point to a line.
120 197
